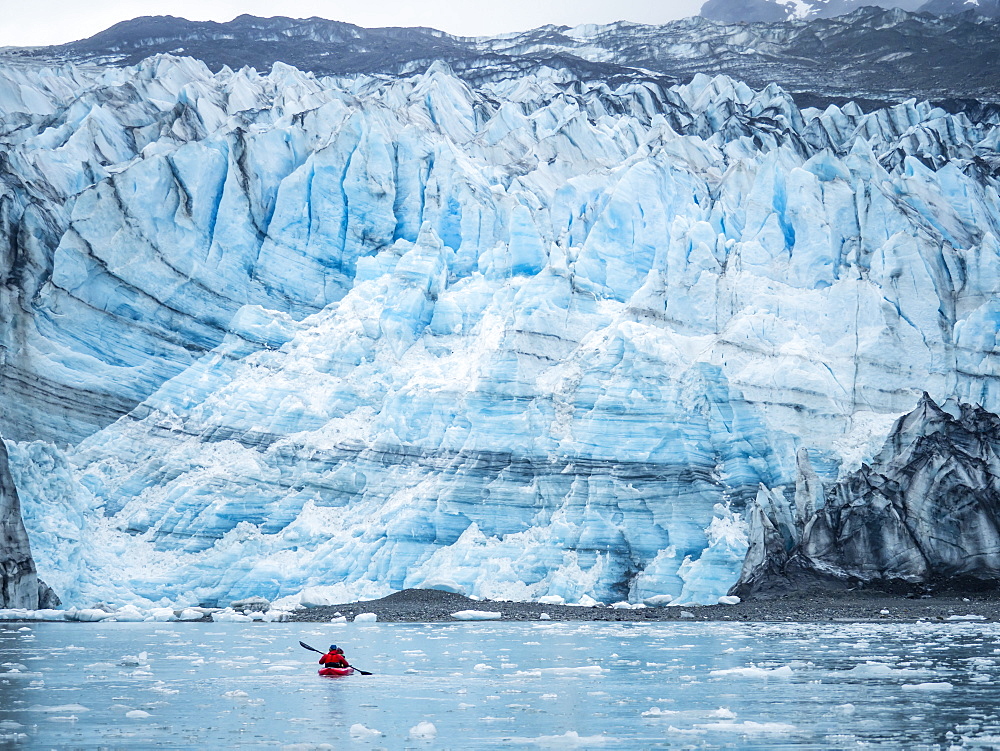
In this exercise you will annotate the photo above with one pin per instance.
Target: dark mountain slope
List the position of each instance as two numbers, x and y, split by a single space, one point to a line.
926 512
868 54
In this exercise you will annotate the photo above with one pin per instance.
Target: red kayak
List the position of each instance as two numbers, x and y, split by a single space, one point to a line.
336 671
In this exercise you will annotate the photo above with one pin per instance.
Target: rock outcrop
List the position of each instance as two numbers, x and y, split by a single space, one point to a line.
20 586
926 512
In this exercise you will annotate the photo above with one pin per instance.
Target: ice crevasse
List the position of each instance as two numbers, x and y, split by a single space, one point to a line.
539 338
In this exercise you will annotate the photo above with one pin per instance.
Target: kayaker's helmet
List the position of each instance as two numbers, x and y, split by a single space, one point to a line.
333 647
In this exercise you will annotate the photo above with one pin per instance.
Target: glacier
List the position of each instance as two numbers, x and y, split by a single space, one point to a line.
273 334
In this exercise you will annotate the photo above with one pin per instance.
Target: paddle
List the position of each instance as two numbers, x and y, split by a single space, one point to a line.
320 651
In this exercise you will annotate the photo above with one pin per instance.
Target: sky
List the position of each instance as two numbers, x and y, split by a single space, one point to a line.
39 22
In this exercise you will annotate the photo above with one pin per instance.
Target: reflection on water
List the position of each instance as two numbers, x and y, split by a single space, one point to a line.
483 685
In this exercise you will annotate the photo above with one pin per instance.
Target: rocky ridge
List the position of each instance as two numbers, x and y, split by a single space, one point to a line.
868 54
732 11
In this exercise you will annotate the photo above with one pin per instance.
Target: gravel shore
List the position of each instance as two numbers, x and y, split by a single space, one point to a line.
430 606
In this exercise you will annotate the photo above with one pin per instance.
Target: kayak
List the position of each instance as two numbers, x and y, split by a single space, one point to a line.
336 671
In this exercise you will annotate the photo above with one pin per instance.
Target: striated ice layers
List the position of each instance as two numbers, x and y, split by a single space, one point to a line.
541 338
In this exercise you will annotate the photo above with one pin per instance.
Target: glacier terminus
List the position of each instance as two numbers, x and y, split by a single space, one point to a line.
331 337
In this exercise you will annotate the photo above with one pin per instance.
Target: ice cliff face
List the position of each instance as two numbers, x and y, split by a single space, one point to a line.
526 339
925 512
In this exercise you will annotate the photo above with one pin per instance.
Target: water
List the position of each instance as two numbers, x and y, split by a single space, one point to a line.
484 685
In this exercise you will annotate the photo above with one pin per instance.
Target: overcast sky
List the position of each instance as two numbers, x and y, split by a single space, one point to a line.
32 22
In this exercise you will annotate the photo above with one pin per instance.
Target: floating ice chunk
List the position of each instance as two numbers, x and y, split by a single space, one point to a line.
423 731
251 604
657 712
162 689
87 615
359 732
880 670
729 600
339 619
129 614
58 708
969 617
483 667
754 672
544 617
586 670
237 694
162 615
12 614
658 601
678 731
747 727
21 675
570 739
845 708
981 741
230 616
365 618
137 714
722 713
930 686
21 614
134 661
552 600
190 614
276 616
586 601
476 615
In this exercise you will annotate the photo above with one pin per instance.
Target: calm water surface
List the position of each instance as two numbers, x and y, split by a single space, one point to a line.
489 685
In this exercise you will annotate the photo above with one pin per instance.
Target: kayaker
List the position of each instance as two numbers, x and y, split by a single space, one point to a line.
334 658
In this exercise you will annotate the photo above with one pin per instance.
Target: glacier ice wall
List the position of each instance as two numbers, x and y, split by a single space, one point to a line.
541 337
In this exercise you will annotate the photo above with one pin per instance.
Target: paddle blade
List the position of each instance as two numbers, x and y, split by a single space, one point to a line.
311 649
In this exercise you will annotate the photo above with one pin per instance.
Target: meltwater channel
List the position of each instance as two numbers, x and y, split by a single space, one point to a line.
489 685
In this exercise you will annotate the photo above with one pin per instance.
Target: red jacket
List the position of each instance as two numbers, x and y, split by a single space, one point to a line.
334 660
